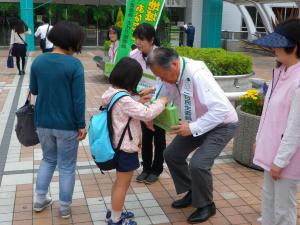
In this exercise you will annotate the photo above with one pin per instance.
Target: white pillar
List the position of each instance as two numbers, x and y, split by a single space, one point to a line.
270 13
249 22
193 14
264 17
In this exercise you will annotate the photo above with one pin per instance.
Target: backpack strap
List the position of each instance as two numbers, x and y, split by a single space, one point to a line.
113 101
47 30
127 127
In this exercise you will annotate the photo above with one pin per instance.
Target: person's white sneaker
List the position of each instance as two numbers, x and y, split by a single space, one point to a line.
38 207
65 213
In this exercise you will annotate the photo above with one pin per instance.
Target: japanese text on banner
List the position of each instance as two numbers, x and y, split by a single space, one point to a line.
137 12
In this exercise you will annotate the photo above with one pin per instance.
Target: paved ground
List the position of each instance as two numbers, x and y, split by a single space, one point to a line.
236 188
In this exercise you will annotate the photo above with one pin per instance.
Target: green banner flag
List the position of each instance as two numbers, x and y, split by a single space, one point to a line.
137 12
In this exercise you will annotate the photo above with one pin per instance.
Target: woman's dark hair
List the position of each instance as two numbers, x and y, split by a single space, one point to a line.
114 29
67 35
20 26
146 31
45 19
126 74
291 29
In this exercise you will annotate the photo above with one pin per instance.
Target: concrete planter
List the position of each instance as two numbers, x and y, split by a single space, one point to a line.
245 138
234 83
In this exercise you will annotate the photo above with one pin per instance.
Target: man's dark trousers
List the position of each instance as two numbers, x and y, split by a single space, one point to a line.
196 176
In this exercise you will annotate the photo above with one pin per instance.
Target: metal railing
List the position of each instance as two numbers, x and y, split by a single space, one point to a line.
235 35
240 35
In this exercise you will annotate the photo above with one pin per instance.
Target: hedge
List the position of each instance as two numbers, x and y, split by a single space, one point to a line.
219 61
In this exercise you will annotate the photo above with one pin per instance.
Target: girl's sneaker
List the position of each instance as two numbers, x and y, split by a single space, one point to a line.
124 215
129 222
122 222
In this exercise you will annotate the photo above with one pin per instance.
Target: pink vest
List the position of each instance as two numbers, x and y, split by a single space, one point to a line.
274 121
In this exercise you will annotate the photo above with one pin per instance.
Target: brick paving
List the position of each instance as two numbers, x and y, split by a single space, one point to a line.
236 188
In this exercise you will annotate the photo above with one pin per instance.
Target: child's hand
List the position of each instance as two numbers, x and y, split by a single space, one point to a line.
164 99
150 125
147 91
144 99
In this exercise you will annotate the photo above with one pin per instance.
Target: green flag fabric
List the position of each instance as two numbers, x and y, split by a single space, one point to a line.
137 12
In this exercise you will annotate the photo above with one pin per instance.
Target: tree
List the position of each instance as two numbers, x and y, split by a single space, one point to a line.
6 9
120 18
102 14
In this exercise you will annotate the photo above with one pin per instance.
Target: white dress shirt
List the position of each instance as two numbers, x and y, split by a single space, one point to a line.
211 104
42 31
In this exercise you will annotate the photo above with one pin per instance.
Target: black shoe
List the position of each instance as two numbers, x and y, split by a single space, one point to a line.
202 214
184 202
142 177
151 179
23 72
20 73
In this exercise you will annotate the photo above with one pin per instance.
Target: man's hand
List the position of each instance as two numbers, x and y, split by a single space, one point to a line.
183 129
81 134
147 91
254 148
276 172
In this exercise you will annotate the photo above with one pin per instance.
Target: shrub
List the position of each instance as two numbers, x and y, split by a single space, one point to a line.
219 61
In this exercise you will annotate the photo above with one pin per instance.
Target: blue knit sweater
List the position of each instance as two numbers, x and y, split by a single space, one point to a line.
58 82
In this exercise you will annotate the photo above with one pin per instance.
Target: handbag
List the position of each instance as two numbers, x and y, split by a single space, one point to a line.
10 60
25 128
43 40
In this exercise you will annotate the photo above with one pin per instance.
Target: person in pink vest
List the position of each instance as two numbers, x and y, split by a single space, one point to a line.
113 35
277 148
146 41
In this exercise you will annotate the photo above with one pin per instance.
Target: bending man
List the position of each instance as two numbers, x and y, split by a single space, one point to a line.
208 122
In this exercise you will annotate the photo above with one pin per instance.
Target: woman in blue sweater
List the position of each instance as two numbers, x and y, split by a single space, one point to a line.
57 79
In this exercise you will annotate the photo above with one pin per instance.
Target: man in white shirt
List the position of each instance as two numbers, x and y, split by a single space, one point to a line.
208 123
42 32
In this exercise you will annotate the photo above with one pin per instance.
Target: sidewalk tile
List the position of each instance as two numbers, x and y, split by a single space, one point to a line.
6 217
157 219
154 211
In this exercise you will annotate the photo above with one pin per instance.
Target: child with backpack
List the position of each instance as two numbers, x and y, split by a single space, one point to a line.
126 116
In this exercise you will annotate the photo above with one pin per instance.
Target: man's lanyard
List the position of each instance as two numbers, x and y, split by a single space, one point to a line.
177 82
181 75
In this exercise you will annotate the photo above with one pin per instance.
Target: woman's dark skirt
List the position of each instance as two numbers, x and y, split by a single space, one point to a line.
19 50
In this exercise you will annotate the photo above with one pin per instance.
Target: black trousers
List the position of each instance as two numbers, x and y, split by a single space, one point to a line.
190 43
153 164
18 59
47 50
